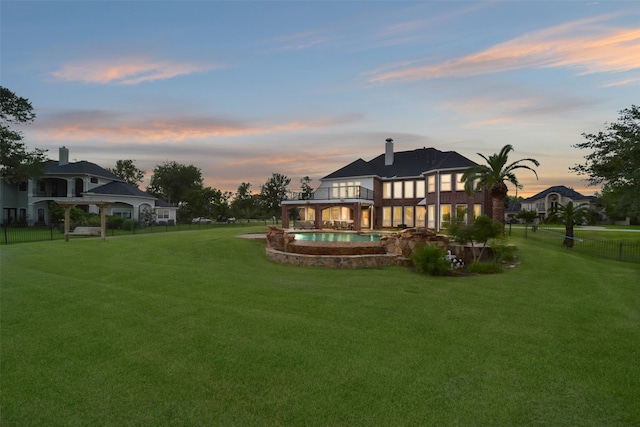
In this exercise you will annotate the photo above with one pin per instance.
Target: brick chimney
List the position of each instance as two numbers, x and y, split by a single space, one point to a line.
63 156
388 152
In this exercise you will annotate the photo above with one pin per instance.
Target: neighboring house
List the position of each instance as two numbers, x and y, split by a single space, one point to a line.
543 202
511 211
82 182
417 188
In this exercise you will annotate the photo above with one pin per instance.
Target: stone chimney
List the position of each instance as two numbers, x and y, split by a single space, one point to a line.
63 156
388 152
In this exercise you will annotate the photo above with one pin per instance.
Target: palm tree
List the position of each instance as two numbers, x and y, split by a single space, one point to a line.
569 215
492 177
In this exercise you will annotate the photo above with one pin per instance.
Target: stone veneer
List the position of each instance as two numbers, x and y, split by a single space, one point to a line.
392 249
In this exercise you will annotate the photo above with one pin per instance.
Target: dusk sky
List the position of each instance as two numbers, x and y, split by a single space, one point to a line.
245 89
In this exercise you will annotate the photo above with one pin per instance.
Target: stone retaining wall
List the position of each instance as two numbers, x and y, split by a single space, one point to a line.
336 261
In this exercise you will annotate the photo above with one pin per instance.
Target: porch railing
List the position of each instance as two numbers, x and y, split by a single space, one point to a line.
335 193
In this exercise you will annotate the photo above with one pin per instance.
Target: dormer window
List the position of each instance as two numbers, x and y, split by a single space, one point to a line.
94 180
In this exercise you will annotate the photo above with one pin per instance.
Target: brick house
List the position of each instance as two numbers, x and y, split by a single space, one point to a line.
416 188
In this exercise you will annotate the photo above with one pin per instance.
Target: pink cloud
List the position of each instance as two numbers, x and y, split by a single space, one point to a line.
580 44
120 128
126 71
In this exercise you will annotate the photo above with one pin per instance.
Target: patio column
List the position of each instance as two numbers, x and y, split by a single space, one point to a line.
67 220
285 216
318 213
356 216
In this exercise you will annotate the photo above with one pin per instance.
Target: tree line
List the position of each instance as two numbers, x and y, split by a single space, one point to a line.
613 163
183 185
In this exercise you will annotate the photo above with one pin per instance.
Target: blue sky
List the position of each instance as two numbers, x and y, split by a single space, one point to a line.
245 89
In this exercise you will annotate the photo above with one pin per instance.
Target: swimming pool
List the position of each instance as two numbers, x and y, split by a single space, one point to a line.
337 237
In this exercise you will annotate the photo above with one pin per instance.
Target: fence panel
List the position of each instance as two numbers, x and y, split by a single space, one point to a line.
22 233
618 250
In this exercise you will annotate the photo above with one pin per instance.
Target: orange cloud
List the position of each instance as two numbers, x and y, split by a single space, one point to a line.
593 50
113 127
126 71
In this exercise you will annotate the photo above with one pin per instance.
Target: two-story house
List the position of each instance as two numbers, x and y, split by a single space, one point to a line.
544 201
83 183
416 188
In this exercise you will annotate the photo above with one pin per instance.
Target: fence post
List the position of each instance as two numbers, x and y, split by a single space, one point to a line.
6 236
620 252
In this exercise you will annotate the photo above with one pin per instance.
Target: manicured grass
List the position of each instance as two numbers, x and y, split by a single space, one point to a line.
199 328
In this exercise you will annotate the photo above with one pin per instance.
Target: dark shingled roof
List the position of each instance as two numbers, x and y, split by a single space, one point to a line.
121 189
163 204
562 191
405 164
78 168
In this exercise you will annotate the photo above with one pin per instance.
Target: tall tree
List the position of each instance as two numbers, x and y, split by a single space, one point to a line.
615 162
127 170
493 177
570 215
244 204
305 187
205 202
273 192
172 181
17 164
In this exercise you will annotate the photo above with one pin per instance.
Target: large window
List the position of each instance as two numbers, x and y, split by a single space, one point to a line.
461 213
386 190
420 188
397 215
459 182
345 190
408 216
431 184
477 210
445 216
397 190
431 216
408 189
445 182
162 213
386 216
421 214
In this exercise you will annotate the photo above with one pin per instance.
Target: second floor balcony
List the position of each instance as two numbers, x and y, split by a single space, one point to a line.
335 193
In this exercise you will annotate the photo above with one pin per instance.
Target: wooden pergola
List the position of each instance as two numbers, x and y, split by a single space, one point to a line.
70 204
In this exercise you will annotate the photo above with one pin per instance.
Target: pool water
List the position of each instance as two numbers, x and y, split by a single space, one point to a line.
337 237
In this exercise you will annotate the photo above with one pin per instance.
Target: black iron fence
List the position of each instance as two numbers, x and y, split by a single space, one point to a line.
628 251
10 234
335 193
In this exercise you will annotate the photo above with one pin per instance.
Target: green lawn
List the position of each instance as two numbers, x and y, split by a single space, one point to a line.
199 328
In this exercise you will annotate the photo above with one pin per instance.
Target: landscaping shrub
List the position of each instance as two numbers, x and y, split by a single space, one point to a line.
503 251
480 267
430 260
128 224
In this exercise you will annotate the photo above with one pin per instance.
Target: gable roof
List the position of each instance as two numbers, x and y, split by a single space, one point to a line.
120 188
405 164
562 191
53 167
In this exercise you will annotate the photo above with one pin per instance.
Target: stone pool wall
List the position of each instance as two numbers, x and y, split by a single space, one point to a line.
392 249
335 261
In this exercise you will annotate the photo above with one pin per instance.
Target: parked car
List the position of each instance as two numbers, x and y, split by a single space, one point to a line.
201 220
231 220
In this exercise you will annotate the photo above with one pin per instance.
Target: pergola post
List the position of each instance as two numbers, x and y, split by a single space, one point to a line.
67 220
103 220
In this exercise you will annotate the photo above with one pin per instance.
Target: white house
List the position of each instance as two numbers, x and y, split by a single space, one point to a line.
84 183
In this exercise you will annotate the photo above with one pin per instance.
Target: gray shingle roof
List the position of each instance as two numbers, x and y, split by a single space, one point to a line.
405 164
83 167
562 191
120 188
